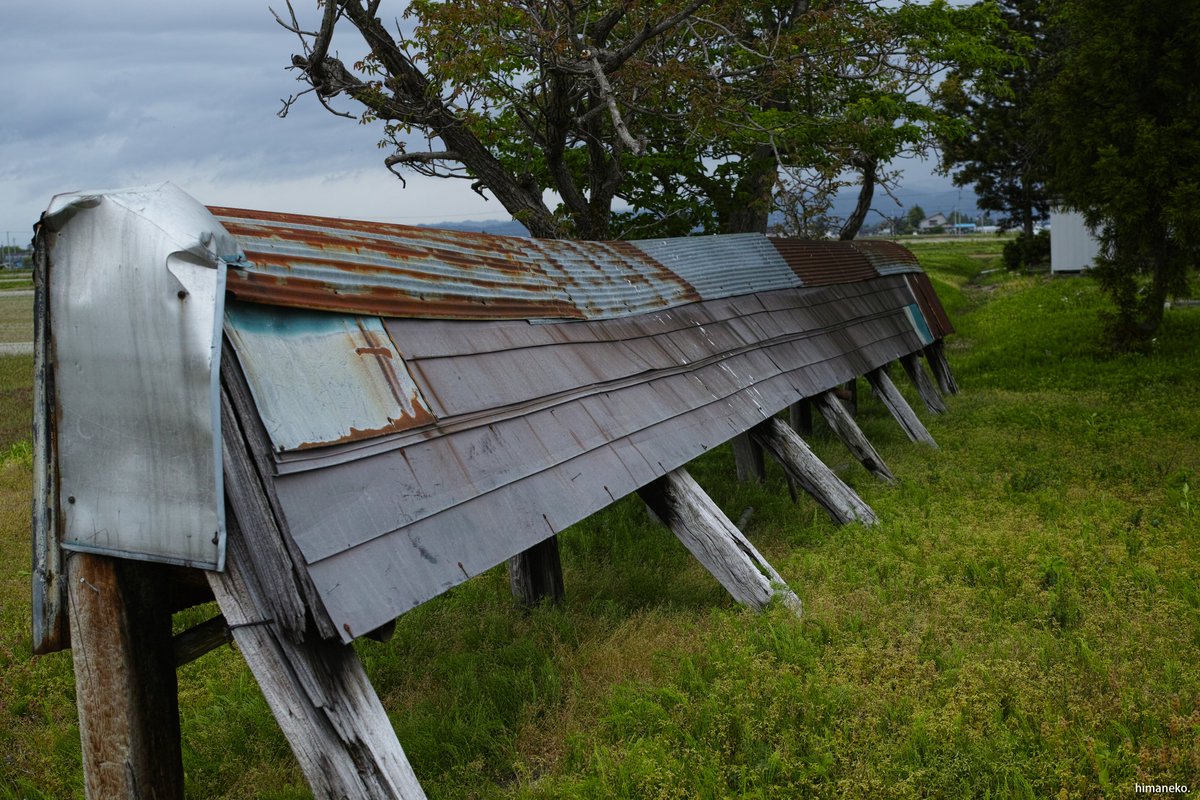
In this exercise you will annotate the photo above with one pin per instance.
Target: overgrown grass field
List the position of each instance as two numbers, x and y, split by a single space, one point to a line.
1025 621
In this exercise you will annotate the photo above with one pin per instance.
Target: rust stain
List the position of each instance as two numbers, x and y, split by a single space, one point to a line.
373 351
825 263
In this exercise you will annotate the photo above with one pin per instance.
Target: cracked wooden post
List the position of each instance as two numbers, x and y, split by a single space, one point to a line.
852 436
887 392
925 388
318 691
800 417
935 354
536 574
716 542
831 492
125 685
748 459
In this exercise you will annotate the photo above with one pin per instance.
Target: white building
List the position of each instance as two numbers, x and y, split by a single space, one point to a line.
1073 246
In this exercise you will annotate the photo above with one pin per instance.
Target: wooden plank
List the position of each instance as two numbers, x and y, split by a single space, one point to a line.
125 687
250 490
201 639
850 395
536 574
886 391
748 459
935 354
800 417
831 492
925 388
318 691
50 629
847 430
716 542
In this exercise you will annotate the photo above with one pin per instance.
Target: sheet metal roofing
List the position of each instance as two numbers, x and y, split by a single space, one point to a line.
404 271
437 402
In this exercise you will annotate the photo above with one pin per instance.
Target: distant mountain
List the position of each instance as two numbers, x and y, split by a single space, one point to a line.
496 227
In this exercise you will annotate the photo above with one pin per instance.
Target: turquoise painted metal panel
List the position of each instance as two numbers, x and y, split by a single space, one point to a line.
320 378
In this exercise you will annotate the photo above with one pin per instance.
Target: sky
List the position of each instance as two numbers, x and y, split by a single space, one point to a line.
133 92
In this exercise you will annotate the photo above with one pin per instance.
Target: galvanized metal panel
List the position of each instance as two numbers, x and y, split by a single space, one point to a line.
321 378
725 265
136 290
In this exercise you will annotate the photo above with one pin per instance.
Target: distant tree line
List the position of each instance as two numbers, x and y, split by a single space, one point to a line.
1100 114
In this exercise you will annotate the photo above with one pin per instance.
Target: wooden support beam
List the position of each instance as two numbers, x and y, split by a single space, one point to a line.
201 639
800 417
852 436
748 459
935 354
318 691
716 542
925 388
887 392
851 396
536 574
125 686
831 492
246 453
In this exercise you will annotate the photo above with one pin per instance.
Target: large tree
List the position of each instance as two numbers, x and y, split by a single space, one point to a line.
687 111
1002 155
1122 112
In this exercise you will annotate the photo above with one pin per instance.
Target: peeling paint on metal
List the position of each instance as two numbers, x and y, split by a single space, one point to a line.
321 379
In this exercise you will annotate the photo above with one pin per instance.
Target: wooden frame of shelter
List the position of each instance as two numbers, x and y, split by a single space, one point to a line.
323 423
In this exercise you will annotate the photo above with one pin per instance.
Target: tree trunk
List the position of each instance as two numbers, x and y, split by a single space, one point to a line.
750 209
865 194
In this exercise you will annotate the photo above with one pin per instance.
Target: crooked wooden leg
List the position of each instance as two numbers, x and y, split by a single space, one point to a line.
748 459
818 480
536 574
901 410
936 355
925 388
716 542
125 685
852 436
319 693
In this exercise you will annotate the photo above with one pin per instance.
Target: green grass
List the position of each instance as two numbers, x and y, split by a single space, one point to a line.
1024 622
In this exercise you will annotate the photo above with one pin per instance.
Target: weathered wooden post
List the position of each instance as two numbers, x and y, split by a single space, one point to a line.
921 380
748 459
847 430
841 502
716 542
125 686
887 392
935 354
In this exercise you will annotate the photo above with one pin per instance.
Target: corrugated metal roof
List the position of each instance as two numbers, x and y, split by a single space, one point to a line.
403 271
888 258
721 266
825 263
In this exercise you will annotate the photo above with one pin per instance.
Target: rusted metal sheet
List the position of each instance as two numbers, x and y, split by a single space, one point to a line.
320 378
888 258
136 287
403 271
825 263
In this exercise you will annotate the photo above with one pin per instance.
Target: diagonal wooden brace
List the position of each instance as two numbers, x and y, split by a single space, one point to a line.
856 441
831 492
925 388
716 542
886 391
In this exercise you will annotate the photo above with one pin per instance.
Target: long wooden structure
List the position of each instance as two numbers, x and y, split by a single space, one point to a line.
323 423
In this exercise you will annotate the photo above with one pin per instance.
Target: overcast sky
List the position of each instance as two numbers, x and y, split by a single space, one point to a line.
132 92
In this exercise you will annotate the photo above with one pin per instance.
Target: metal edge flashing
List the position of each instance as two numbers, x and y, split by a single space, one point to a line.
135 312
